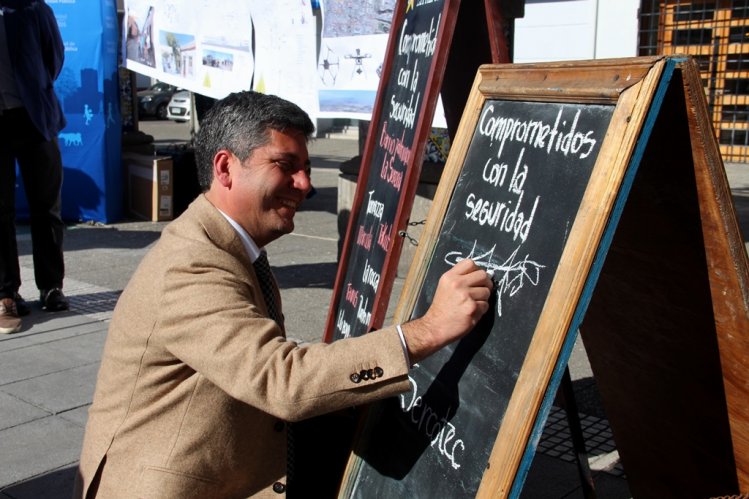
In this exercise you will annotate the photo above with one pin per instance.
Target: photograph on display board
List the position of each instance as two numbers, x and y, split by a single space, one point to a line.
139 33
351 55
177 53
201 48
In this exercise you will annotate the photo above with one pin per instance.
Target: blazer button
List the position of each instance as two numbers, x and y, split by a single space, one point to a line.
355 378
279 488
379 372
370 374
279 426
364 375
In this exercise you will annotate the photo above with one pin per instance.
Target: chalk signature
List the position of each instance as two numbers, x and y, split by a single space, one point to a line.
509 276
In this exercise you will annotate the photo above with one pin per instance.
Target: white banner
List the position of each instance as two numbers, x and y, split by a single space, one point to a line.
215 48
352 52
198 45
285 46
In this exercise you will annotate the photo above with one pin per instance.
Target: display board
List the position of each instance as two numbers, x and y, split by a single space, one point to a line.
417 49
421 49
90 143
511 212
537 180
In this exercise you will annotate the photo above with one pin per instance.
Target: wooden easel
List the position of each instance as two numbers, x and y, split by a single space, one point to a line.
671 354
652 270
470 33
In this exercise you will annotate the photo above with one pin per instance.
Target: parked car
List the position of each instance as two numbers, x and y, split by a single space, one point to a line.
179 106
153 101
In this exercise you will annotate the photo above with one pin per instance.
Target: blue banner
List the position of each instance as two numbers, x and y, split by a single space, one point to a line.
88 91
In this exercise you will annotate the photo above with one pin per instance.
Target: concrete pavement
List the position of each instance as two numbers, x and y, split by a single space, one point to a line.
48 370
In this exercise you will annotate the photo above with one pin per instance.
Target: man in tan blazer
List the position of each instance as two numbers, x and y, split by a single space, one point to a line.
197 381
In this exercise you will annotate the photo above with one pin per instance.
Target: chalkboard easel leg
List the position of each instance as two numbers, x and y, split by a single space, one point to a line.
576 431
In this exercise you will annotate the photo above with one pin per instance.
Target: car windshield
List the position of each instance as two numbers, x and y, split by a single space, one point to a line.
161 87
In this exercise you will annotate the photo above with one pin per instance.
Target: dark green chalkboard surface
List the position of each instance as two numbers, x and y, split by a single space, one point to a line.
511 211
595 194
527 192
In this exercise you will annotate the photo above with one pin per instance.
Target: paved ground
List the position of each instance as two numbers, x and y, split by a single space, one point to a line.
47 371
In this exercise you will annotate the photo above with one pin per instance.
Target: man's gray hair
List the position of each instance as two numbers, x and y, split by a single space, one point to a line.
241 122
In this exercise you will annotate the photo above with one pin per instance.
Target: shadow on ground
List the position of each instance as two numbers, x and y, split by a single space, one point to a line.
307 275
741 203
127 235
54 485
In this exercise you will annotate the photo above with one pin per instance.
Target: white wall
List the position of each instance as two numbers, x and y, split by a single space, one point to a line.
617 28
556 30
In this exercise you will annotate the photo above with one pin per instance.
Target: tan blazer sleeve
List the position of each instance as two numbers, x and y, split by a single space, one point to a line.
210 319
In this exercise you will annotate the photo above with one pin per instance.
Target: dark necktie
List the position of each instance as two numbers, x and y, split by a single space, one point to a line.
265 277
267 286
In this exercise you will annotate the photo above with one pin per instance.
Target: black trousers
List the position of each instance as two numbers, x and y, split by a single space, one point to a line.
40 164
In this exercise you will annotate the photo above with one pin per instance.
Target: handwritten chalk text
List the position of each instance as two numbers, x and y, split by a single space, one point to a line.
374 207
418 43
437 427
370 276
343 327
364 238
361 313
352 295
537 134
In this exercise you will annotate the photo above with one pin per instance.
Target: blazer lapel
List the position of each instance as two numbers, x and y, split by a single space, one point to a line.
223 235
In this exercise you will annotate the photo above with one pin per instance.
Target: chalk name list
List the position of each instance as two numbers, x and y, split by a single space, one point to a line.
393 153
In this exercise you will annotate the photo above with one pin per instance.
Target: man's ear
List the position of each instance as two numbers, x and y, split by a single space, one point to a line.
222 167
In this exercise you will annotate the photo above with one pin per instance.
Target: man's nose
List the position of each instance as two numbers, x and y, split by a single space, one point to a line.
302 182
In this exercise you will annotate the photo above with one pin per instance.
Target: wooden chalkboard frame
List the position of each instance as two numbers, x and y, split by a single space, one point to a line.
486 23
706 314
728 264
671 370
412 168
630 85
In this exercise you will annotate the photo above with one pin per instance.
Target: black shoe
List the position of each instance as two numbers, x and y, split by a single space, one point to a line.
53 300
21 306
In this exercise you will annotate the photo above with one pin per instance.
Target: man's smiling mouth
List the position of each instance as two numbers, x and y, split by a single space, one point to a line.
289 203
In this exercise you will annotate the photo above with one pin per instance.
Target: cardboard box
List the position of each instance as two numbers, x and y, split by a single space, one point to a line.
150 183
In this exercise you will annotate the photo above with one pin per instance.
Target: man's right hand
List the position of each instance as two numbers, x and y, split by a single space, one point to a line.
461 299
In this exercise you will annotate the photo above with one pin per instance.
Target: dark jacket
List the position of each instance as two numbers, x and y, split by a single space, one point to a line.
36 53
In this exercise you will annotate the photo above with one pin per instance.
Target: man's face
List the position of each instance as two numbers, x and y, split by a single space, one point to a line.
270 185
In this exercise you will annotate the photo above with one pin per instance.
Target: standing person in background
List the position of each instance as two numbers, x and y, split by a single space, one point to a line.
31 57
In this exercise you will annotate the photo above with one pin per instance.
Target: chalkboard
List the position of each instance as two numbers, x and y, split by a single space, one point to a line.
515 201
420 51
392 161
667 329
527 193
418 55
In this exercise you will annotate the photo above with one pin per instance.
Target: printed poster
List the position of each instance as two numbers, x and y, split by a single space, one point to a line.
90 143
325 56
193 44
352 52
285 51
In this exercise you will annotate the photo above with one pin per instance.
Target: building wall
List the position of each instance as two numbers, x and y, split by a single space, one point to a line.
557 30
716 34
